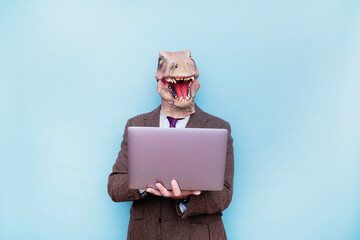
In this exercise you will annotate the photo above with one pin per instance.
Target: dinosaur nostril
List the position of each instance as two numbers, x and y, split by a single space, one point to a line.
176 65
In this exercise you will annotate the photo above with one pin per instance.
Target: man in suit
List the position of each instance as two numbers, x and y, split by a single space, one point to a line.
175 214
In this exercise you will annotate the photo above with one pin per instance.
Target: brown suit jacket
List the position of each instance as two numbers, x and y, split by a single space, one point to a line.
153 217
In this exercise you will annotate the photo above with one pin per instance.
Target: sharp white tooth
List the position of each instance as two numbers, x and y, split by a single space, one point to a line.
174 81
181 98
192 78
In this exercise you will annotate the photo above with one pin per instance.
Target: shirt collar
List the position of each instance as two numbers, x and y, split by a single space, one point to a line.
163 117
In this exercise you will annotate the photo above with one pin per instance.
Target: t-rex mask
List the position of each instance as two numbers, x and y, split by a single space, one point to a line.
177 77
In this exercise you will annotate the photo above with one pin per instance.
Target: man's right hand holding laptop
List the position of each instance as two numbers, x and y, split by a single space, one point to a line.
176 192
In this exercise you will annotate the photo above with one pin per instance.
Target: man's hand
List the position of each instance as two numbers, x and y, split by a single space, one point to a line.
175 193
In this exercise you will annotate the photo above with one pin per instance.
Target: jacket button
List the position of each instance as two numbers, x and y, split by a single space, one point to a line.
159 219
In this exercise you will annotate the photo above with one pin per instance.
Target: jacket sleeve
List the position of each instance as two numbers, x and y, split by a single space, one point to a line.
209 202
118 186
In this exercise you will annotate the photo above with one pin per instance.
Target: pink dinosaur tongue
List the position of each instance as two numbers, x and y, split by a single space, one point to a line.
181 88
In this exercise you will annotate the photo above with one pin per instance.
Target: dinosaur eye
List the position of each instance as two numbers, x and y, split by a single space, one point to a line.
161 60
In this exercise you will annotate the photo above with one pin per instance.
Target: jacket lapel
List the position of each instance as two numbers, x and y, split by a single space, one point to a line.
152 119
198 119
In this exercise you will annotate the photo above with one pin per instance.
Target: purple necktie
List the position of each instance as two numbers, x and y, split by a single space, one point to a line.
173 121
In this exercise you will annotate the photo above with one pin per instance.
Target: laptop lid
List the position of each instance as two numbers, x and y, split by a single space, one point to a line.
195 157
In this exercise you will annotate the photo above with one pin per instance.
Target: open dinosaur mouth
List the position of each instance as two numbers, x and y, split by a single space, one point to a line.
180 87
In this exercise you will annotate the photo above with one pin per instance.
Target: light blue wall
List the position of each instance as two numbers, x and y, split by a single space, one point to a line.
285 74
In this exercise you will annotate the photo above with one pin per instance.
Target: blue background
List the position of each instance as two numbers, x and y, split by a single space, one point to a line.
285 74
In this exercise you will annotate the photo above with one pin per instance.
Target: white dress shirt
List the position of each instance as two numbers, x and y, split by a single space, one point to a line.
164 122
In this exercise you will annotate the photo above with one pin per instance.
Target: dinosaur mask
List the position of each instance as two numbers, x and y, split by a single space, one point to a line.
177 77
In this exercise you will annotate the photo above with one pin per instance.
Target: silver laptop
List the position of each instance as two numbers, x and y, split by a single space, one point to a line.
195 157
